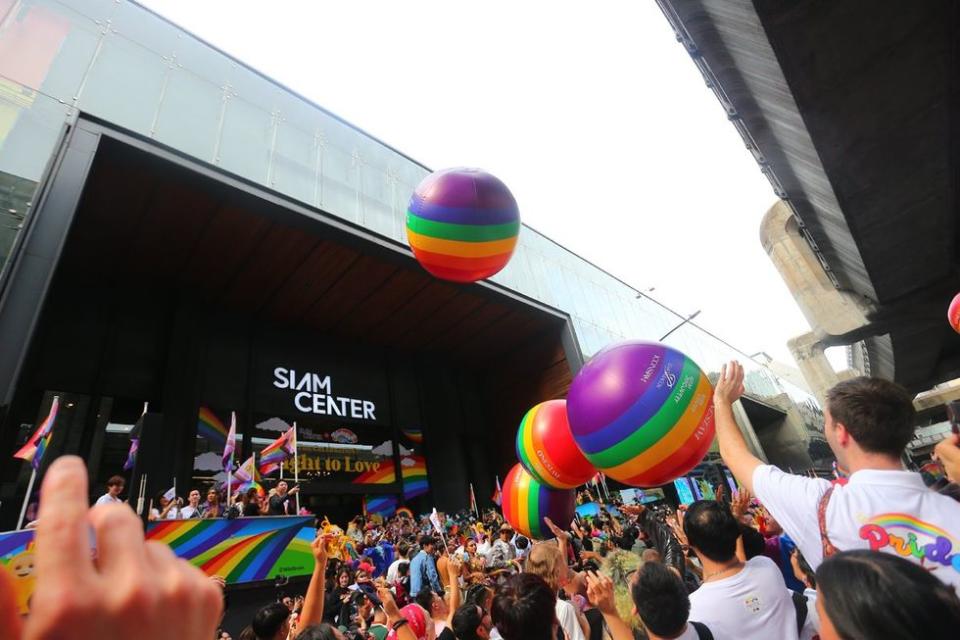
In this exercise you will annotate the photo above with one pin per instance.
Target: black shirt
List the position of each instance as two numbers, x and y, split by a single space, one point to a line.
279 506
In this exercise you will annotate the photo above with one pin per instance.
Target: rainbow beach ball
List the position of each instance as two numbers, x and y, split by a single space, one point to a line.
526 503
462 224
546 449
642 413
953 313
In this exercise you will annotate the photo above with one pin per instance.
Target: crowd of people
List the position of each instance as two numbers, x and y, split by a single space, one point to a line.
875 555
279 501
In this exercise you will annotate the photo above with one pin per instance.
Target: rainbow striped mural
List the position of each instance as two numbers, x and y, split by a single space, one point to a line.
241 550
414 476
415 481
384 506
384 475
413 434
211 428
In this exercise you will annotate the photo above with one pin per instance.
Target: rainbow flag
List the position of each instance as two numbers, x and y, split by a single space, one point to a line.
231 444
247 477
132 454
497 497
404 511
277 451
35 447
211 428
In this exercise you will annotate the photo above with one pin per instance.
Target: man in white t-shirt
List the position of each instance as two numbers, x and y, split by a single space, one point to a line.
403 555
115 487
660 600
868 423
742 600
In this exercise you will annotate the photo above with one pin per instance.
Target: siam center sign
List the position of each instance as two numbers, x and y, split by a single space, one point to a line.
313 393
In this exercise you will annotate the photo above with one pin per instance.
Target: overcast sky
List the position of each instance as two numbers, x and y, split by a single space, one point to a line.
594 115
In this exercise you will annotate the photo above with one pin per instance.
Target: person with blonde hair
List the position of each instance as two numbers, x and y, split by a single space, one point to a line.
548 561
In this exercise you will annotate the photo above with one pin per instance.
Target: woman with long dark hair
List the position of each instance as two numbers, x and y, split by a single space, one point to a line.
868 594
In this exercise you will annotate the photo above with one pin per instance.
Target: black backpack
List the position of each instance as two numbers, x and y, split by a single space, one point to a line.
703 632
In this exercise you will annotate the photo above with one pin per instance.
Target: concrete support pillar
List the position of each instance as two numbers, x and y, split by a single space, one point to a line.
831 313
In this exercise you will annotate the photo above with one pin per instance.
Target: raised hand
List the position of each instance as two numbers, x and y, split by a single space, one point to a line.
132 587
729 385
558 533
741 500
600 592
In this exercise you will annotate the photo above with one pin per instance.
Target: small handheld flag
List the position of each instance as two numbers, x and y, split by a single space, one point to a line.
132 454
170 493
35 447
247 476
231 443
497 493
277 451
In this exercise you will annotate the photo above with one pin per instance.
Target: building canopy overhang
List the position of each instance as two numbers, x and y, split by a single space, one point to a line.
851 110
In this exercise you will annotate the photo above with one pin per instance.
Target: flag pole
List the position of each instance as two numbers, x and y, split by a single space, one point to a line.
26 498
296 465
141 494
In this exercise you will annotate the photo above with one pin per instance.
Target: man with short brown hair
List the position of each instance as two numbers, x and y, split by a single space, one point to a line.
867 423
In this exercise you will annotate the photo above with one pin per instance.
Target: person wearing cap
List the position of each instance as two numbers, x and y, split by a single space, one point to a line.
503 554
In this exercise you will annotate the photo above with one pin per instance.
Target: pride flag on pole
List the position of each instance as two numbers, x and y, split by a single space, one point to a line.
231 444
277 451
473 501
35 447
497 493
247 476
132 454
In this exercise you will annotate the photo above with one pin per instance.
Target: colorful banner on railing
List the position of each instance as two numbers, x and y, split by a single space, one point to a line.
16 554
242 550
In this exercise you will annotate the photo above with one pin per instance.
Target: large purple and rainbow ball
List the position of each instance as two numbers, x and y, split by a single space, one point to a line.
642 413
526 503
462 224
546 449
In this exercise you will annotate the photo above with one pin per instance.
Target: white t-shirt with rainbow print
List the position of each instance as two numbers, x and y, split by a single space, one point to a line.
891 511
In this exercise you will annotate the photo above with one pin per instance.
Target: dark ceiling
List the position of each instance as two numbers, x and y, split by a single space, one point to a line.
852 110
143 221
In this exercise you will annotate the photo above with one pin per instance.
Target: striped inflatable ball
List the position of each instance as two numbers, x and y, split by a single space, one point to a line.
642 413
953 313
526 503
546 449
462 224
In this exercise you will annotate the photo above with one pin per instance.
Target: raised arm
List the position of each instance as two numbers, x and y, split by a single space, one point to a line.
313 602
733 446
453 572
601 595
403 632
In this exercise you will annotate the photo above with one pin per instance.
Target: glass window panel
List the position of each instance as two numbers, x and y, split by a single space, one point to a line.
123 67
189 118
294 164
48 47
245 140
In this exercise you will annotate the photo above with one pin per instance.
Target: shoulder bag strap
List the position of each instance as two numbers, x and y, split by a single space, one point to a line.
703 632
828 548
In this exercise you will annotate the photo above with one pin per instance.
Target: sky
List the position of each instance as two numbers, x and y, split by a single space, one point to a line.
598 121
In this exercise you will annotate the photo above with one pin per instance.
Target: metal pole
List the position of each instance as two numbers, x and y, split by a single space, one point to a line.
26 498
296 466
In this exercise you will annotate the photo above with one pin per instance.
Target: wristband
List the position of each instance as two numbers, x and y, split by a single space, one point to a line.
400 623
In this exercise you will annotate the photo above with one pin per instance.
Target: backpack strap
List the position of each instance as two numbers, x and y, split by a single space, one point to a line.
800 606
828 548
703 632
